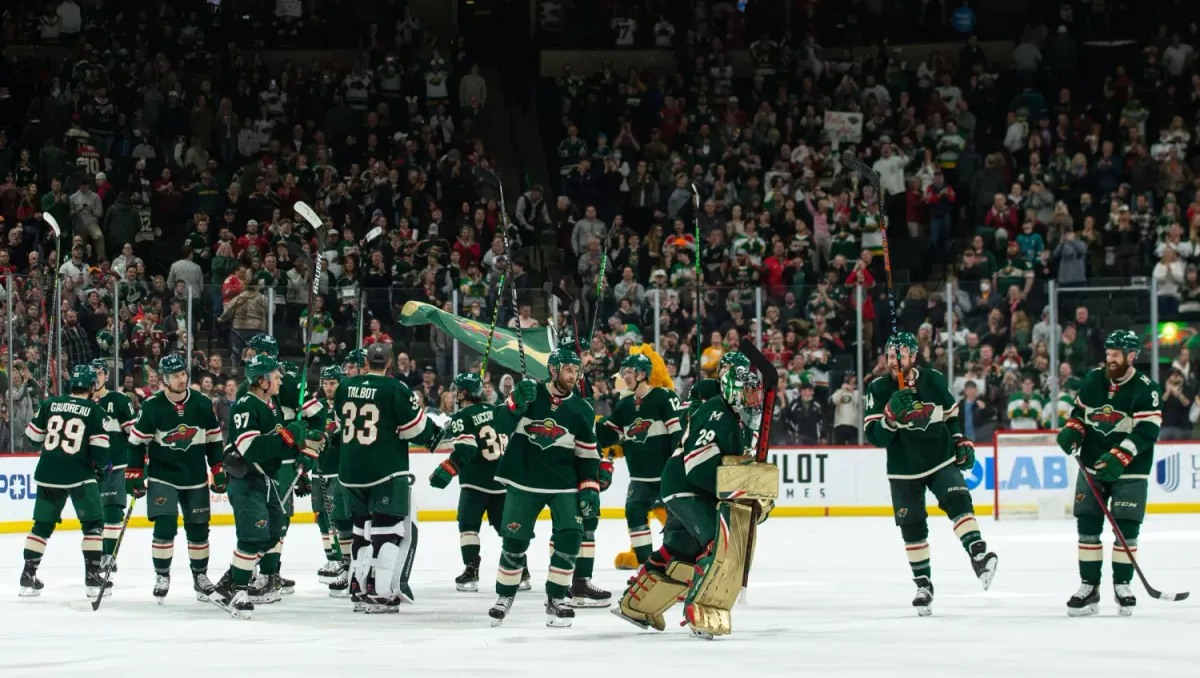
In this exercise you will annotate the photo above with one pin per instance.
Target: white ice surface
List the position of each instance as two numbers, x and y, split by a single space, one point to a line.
828 597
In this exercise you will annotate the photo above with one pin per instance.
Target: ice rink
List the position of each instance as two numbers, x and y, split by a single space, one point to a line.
828 597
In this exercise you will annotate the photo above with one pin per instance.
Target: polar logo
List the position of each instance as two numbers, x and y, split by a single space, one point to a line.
1166 472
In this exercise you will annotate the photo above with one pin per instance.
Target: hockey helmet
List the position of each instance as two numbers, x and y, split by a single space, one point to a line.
734 359
260 366
470 384
1123 340
741 388
82 376
333 373
903 339
171 364
638 363
563 356
99 365
357 357
264 344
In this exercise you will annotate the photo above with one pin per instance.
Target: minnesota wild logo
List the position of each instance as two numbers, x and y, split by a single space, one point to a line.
181 438
544 433
1105 419
918 418
639 430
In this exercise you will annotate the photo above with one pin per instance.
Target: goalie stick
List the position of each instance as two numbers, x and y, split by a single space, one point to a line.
770 378
53 366
1154 593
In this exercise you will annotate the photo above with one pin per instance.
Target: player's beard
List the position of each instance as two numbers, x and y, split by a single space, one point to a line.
564 384
1115 370
179 392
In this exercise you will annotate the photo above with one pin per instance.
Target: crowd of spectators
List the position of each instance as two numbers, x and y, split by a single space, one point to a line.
1000 172
172 160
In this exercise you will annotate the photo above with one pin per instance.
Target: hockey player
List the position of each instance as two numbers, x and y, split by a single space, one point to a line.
646 424
261 441
926 450
379 417
119 408
177 434
696 557
355 361
72 434
336 534
474 445
706 389
1114 426
551 460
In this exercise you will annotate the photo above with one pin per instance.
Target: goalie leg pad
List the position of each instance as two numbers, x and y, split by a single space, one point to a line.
719 571
361 552
653 592
387 532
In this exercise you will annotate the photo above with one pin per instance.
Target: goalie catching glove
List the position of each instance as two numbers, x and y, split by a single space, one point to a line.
443 474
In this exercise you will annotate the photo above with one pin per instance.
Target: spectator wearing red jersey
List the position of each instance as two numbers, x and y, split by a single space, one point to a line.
1002 218
861 275
253 244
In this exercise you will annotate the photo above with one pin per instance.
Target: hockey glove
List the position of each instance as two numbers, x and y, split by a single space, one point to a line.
1111 464
1071 436
101 472
606 471
589 499
135 484
522 395
443 474
307 458
303 486
293 431
218 479
964 453
899 404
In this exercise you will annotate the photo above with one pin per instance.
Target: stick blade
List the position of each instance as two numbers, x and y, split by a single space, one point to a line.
49 218
373 234
485 175
307 214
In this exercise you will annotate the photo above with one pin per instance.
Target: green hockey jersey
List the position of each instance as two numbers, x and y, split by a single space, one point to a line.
119 408
73 436
552 447
256 427
473 440
647 429
379 417
921 441
714 432
701 391
289 400
179 440
331 455
1125 414
1025 410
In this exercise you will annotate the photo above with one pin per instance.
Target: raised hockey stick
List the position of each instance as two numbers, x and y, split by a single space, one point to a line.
1154 593
770 378
53 363
600 283
116 549
696 293
488 177
856 165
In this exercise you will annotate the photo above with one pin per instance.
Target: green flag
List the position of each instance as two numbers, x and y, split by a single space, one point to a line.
474 336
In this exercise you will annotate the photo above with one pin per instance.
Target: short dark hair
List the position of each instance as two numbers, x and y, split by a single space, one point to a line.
970 384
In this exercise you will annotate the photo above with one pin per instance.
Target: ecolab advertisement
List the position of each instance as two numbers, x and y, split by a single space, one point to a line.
813 481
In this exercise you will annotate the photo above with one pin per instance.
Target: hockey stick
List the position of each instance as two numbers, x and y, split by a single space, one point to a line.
490 178
600 283
770 378
116 549
1154 593
696 293
872 178
53 363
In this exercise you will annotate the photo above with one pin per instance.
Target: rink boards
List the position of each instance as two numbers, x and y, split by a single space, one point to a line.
814 482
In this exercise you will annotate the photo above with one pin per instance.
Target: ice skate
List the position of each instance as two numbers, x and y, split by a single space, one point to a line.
357 598
1085 602
262 590
203 586
241 606
924 597
558 613
94 580
162 584
330 571
468 581
525 585
584 594
340 587
224 585
108 564
1126 601
30 584
500 610
283 585
984 563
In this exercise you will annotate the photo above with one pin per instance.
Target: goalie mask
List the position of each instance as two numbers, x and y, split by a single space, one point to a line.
742 390
732 359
